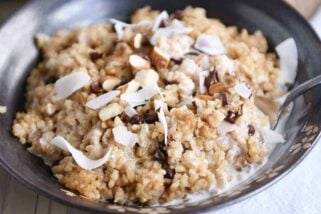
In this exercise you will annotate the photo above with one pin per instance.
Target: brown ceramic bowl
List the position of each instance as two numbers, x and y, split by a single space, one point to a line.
18 55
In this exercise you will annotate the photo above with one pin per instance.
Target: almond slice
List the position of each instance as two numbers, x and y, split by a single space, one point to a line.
137 41
160 59
138 63
216 88
129 87
109 82
110 111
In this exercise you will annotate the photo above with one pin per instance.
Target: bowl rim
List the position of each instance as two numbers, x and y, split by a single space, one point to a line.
208 207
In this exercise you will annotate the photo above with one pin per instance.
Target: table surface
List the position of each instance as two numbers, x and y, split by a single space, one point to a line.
16 198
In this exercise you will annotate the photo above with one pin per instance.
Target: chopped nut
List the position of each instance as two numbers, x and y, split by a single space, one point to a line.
137 41
131 86
217 88
95 87
109 82
159 58
204 97
138 63
110 111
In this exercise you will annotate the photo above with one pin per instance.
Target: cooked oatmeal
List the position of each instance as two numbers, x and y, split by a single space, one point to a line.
150 111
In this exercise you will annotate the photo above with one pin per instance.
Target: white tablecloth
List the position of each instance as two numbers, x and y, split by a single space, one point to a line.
299 192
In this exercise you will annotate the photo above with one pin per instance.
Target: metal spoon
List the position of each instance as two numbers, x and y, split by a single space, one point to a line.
294 93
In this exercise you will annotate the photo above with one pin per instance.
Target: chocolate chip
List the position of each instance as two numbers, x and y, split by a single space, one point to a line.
150 118
212 78
160 154
50 80
124 117
178 14
137 119
224 98
232 116
94 56
95 87
170 173
251 130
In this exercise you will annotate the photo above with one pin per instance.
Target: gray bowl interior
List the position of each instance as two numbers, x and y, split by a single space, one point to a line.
18 55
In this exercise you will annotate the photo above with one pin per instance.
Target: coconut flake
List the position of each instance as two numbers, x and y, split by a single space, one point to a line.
102 100
124 137
3 109
175 28
243 90
78 156
204 62
159 107
120 26
147 77
141 96
130 111
271 136
158 20
201 80
70 83
288 54
225 127
209 44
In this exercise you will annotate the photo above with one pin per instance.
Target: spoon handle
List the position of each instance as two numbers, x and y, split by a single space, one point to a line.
301 89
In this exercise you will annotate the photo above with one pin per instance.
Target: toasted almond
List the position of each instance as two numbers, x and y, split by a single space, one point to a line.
216 88
109 82
138 63
110 111
137 41
204 97
131 86
160 59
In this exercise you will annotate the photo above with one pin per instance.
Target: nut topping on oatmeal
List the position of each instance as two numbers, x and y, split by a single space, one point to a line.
110 111
159 58
137 41
217 88
109 82
138 63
